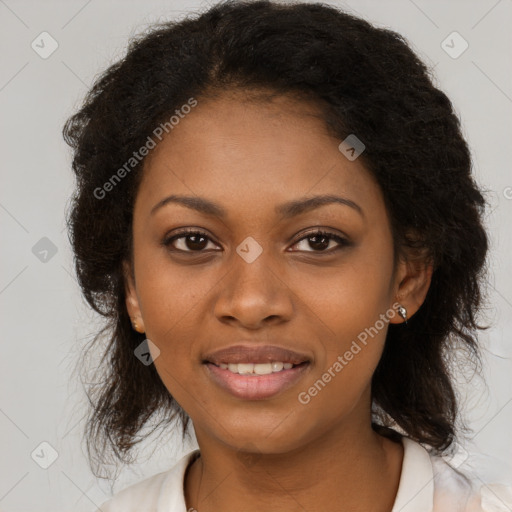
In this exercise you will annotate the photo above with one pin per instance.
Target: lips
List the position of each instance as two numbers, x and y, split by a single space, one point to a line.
240 353
256 387
242 370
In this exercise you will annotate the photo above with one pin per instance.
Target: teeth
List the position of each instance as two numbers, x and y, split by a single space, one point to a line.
277 366
256 368
246 368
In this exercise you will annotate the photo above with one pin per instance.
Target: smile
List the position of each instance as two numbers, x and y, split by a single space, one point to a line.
256 381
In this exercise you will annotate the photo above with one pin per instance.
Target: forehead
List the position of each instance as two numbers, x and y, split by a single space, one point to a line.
253 150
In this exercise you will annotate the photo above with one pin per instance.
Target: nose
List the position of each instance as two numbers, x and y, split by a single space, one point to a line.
253 295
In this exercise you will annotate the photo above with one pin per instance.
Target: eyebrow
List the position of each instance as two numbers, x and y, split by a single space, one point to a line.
285 210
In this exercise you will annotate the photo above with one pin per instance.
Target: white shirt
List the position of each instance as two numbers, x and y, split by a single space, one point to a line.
427 484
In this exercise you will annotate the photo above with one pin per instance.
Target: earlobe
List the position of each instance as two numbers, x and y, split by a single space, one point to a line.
412 290
132 301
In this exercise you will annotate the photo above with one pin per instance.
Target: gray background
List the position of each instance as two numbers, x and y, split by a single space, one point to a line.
44 320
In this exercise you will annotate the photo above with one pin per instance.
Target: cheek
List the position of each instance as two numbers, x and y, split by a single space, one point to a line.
169 294
172 305
343 372
346 300
351 312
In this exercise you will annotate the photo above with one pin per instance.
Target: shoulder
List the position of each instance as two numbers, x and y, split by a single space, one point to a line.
459 491
160 492
430 483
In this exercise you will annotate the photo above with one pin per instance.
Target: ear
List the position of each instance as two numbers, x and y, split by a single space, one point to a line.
413 278
132 301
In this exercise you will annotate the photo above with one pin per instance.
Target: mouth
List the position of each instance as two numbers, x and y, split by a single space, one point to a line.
252 353
250 371
252 386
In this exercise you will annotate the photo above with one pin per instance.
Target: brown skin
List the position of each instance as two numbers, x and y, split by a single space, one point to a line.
250 157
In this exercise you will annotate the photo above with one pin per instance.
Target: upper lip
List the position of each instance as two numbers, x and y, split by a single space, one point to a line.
254 354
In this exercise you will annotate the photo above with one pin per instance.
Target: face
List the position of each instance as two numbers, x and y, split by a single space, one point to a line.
259 274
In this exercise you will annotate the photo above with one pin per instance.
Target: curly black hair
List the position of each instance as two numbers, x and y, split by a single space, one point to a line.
365 80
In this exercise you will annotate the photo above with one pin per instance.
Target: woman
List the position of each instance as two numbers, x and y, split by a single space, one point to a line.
276 215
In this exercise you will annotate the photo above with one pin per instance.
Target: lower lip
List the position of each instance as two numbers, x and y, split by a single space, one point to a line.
255 387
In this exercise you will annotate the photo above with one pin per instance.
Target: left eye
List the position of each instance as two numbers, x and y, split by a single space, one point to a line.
321 240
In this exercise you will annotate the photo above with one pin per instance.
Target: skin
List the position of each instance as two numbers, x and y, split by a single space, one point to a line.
274 454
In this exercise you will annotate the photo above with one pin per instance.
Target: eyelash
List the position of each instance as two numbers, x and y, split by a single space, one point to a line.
319 233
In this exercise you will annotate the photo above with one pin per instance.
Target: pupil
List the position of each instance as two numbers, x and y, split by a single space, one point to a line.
193 243
319 245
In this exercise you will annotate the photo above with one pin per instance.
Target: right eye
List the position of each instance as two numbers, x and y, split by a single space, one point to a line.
189 240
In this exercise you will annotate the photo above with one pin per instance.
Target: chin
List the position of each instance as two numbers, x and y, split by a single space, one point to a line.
262 437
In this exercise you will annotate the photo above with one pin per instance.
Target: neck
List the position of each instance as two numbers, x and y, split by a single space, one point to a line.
355 469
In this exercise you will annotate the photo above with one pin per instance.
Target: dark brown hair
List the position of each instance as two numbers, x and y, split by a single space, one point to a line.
369 82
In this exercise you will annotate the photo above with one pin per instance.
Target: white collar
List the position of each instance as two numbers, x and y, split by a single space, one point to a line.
416 488
415 491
